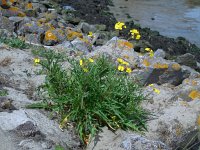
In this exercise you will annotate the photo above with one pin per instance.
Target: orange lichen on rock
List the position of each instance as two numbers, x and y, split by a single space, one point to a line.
194 94
50 36
176 67
71 35
17 11
125 44
29 5
160 66
146 63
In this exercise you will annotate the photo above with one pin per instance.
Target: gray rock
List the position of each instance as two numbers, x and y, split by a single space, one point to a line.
10 121
160 53
187 60
7 24
5 33
80 45
31 12
160 71
137 142
68 8
86 28
27 129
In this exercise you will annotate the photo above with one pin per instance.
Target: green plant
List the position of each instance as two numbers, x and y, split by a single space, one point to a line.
92 94
58 147
14 42
3 92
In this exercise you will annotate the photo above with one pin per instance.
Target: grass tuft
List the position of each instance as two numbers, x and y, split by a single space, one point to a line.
92 94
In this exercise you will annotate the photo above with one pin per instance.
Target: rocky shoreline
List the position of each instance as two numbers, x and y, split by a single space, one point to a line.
170 78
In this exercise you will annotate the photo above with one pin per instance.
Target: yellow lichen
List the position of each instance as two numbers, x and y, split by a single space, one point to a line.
146 63
50 36
29 5
194 94
160 66
125 44
176 67
194 83
71 35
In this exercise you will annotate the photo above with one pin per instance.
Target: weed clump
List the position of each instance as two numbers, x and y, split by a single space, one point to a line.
92 94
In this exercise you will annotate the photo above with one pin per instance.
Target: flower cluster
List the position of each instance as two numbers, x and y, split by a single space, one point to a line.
120 26
83 63
123 65
151 53
135 34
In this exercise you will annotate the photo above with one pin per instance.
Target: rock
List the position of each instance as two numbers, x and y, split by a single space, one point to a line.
122 140
5 23
32 27
10 121
69 8
81 45
86 28
137 142
187 60
71 18
189 90
27 129
160 53
160 71
6 104
5 33
40 7
31 12
12 11
100 27
16 19
34 38
50 38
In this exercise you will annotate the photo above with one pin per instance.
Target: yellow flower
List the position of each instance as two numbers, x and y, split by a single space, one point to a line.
121 68
134 31
148 49
156 91
85 70
81 62
90 34
151 53
119 25
36 61
91 60
151 85
138 37
119 60
125 63
128 70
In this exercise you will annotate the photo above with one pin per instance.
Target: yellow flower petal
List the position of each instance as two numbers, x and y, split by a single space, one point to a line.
138 37
151 85
148 49
151 53
90 34
36 61
121 68
81 62
128 70
119 60
156 91
91 60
